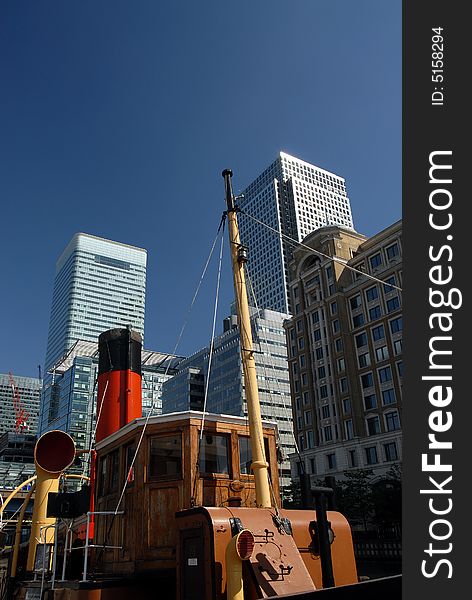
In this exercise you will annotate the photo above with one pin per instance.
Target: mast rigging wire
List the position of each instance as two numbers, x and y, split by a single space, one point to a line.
210 357
221 225
294 242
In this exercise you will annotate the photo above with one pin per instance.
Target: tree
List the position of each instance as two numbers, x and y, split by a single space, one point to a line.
387 499
354 496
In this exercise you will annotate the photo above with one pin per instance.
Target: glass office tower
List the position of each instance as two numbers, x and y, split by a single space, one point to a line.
99 284
294 198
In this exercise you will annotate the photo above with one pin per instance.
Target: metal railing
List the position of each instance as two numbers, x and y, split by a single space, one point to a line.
87 540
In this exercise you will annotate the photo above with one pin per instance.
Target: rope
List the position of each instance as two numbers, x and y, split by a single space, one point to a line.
212 342
342 261
150 413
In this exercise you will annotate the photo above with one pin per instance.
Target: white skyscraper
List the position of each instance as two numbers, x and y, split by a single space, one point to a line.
295 198
99 284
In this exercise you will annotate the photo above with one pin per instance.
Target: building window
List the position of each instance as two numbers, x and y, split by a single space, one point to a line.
352 458
333 308
370 401
343 386
301 343
321 372
347 406
315 317
304 379
392 251
390 451
338 344
375 312
323 391
393 304
396 325
376 260
310 439
313 466
341 365
331 460
364 360
398 346
302 361
371 455
388 396
327 433
361 340
349 430
335 325
355 302
317 335
325 413
388 284
385 374
381 353
307 415
392 421
319 353
329 272
358 320
372 294
373 425
378 333
299 325
400 368
367 380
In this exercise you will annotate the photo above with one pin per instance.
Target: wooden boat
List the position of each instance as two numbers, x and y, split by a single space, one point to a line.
185 505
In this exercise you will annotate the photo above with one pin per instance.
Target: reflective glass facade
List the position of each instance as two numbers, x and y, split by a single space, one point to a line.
99 284
294 198
29 389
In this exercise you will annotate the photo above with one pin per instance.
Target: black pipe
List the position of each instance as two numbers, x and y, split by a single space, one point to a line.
322 529
227 174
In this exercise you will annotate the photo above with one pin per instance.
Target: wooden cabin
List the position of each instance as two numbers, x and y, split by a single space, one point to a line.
176 468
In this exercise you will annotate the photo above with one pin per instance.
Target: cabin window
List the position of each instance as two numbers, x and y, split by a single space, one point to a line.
129 455
214 454
245 454
102 476
114 470
166 457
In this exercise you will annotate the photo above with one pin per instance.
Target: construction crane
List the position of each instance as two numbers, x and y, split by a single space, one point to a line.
21 416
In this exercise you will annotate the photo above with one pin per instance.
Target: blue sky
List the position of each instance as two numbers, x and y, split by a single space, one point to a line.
117 118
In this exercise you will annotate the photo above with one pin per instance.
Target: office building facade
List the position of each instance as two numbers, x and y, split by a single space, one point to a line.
99 284
226 393
29 392
345 351
294 198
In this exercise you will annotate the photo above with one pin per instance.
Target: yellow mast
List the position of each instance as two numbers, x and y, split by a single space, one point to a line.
238 256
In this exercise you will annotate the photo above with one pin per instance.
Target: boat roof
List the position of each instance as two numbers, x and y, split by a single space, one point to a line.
175 417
